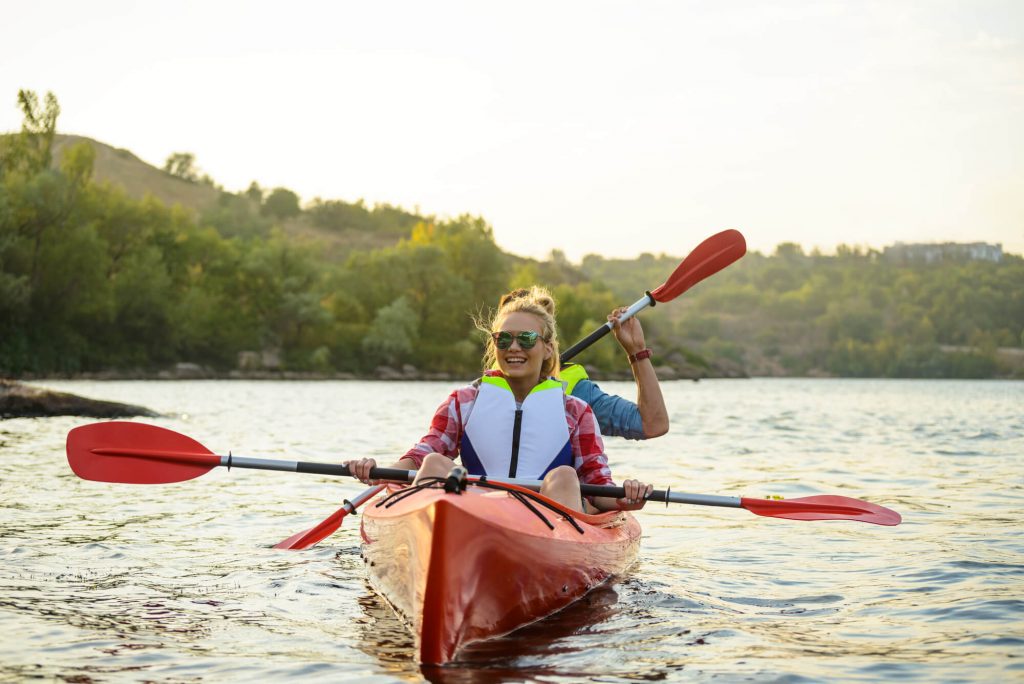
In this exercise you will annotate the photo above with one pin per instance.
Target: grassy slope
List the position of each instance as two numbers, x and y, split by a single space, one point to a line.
122 168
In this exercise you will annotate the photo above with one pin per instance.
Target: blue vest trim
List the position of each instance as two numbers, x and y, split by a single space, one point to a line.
469 458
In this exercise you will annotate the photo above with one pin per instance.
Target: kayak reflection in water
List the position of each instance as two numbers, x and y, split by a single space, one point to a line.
517 421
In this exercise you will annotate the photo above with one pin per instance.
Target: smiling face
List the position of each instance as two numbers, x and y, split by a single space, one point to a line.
515 362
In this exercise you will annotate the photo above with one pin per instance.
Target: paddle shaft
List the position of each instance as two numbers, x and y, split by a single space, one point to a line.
108 452
637 306
393 474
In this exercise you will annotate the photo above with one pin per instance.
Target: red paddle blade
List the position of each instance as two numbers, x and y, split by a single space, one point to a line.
707 259
136 453
303 540
314 535
823 507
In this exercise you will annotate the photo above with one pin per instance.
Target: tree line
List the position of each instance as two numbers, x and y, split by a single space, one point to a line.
856 313
91 279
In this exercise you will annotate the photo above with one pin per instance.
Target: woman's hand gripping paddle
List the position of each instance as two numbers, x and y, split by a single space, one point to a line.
708 258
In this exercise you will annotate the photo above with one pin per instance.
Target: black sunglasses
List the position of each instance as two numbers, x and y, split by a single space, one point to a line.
526 339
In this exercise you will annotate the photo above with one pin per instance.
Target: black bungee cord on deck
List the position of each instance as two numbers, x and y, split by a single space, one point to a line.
528 499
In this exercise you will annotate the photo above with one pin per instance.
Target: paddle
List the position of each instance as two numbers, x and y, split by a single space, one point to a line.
708 258
330 525
137 453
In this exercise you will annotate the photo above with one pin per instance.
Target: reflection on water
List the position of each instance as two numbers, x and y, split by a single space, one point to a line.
106 582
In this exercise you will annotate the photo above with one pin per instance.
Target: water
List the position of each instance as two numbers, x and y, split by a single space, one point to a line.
178 583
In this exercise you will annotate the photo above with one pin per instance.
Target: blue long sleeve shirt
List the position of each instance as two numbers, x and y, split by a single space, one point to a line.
616 416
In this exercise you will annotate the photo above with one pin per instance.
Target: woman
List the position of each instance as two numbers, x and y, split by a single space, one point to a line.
516 421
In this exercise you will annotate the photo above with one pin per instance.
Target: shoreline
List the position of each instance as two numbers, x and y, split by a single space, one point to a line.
310 377
189 371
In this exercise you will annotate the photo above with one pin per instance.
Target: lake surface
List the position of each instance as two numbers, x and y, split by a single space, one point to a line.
178 583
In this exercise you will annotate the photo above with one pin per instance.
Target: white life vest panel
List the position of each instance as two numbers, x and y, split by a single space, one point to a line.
502 441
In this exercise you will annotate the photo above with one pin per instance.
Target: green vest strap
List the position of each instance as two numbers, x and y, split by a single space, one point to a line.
571 374
501 382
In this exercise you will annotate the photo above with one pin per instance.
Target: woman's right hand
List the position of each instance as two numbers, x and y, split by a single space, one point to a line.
636 493
360 468
630 334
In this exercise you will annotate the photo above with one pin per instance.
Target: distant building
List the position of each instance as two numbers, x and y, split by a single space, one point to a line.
945 251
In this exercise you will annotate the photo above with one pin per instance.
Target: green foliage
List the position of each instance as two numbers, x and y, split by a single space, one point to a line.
92 279
467 244
31 151
855 314
852 314
281 203
238 216
338 216
255 193
393 334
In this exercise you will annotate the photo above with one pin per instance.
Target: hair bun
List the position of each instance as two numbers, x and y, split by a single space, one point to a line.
536 295
545 300
513 295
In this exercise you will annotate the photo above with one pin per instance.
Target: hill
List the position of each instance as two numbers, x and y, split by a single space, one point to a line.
137 178
238 213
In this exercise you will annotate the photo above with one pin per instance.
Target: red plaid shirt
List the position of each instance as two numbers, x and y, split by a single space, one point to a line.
445 435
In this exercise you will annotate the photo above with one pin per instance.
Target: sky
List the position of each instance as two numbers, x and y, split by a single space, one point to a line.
613 128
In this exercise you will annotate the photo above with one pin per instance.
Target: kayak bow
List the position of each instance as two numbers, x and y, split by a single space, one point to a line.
463 567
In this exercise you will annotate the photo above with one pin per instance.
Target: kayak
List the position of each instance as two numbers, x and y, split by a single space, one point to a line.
461 567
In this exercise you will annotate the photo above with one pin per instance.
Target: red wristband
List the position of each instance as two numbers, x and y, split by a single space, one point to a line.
640 355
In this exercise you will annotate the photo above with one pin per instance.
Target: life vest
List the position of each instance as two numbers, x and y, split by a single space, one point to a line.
501 440
570 374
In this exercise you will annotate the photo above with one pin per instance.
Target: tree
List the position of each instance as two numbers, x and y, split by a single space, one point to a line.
468 243
393 334
30 151
341 216
789 250
281 203
182 165
282 290
255 192
237 215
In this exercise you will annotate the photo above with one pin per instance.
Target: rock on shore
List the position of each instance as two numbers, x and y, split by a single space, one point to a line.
23 401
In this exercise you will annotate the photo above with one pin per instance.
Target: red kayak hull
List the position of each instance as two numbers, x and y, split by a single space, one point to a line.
459 568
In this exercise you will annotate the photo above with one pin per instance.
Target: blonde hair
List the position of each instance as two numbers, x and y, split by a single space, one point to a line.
537 301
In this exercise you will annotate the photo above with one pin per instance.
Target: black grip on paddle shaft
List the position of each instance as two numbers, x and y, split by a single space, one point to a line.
396 474
614 492
322 469
585 342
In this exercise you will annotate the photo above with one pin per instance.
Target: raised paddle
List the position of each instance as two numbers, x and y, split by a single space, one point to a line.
707 258
138 453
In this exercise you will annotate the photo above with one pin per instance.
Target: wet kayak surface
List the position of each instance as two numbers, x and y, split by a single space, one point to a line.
112 582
